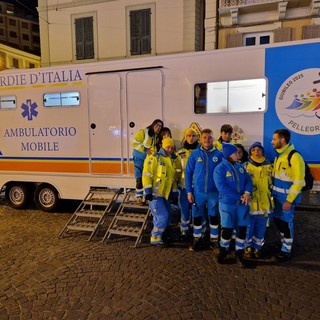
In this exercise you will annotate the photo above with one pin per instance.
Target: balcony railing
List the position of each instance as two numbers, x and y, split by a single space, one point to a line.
242 3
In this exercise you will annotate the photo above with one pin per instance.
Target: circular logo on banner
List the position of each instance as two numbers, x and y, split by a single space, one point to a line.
298 102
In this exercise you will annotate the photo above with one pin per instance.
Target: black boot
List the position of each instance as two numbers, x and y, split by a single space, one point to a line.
239 257
222 255
243 263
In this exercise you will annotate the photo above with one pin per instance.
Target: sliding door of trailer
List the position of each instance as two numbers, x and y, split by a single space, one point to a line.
105 124
144 103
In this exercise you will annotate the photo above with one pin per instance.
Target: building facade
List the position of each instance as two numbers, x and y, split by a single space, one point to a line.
11 58
19 30
96 30
256 22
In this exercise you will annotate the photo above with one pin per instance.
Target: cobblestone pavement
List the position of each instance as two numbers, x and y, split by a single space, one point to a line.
44 277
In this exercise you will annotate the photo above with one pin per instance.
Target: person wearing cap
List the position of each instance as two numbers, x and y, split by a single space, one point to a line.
261 206
144 143
287 184
226 132
161 172
190 143
235 187
201 190
165 132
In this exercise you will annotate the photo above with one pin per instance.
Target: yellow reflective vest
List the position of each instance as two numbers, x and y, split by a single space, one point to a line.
261 176
161 173
288 180
142 141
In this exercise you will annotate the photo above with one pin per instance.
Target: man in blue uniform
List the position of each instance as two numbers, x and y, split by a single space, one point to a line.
202 191
235 187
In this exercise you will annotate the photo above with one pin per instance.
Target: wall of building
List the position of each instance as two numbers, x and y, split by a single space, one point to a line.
283 21
173 22
14 58
18 30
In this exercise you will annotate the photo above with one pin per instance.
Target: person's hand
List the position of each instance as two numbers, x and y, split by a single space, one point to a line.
190 197
245 198
149 197
286 206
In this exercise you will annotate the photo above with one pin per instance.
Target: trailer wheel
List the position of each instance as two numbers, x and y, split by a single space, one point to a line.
46 197
18 195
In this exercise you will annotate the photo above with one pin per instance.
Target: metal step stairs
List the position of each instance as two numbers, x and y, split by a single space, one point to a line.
130 220
92 211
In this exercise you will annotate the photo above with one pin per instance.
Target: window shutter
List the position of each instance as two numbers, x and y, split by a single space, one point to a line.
282 34
79 39
145 31
140 31
234 40
134 33
88 38
84 38
311 32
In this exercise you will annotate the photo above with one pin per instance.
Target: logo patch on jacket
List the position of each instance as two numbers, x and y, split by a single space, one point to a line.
199 160
228 174
215 159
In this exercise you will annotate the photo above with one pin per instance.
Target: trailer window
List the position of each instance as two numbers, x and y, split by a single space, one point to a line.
61 99
230 96
8 102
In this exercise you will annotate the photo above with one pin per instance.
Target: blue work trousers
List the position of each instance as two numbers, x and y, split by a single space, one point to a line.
256 231
206 207
160 209
185 209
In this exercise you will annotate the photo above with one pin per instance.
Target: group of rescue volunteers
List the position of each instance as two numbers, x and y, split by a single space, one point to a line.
218 184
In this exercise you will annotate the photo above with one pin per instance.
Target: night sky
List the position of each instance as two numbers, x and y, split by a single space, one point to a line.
28 5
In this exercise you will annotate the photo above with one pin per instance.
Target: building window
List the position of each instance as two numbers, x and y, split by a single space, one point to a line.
230 96
12 22
25 25
25 37
140 22
13 34
140 31
254 39
15 63
31 65
84 38
311 32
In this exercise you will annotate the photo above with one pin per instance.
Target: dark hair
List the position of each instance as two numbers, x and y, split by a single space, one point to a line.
163 131
151 127
244 152
284 133
227 128
160 137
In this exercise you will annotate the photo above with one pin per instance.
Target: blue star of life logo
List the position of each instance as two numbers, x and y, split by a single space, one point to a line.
29 109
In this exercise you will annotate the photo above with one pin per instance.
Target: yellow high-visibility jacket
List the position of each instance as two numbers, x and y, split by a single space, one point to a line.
161 174
183 155
142 141
288 180
261 176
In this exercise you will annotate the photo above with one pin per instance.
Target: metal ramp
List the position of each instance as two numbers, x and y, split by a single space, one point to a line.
130 220
92 212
